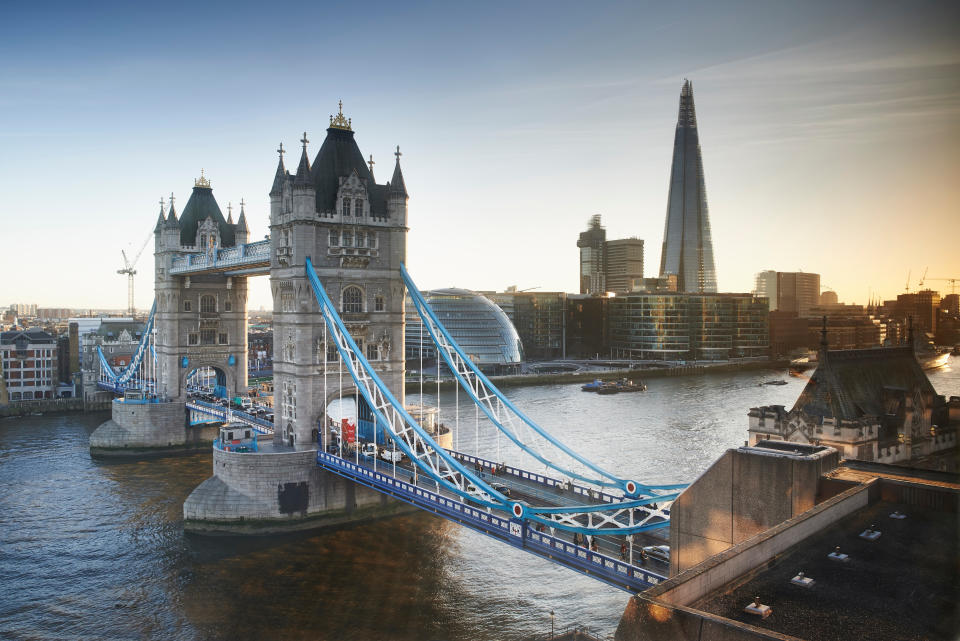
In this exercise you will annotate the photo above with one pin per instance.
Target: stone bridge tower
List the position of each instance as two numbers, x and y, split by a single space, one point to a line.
354 230
200 320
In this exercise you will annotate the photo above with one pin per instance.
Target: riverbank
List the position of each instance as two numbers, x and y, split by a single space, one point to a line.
559 378
53 406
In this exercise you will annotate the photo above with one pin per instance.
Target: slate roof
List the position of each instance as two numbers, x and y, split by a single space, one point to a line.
203 204
33 335
849 384
340 156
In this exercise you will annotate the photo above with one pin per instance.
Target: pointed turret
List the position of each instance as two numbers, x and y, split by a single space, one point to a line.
303 170
161 220
172 215
242 220
229 213
281 176
397 185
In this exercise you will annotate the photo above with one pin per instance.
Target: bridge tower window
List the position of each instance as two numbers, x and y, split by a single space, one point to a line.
208 304
358 208
378 304
345 210
352 300
208 336
187 306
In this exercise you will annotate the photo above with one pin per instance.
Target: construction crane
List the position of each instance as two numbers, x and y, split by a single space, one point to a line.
907 286
952 281
923 278
128 269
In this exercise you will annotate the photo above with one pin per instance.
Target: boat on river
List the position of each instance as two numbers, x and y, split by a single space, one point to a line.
593 386
626 385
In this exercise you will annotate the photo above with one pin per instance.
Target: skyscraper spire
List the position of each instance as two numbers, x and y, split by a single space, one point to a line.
687 242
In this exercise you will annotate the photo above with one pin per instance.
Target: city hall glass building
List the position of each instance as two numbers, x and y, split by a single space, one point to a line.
475 322
683 326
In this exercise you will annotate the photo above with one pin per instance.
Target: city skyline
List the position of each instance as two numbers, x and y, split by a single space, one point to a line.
827 143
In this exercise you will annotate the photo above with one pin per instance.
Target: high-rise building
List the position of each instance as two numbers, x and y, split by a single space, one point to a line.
687 245
591 244
609 265
624 268
789 291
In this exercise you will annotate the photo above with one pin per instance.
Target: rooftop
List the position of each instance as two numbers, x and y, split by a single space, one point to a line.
904 585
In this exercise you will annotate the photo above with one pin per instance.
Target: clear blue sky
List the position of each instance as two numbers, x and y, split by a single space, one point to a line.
830 131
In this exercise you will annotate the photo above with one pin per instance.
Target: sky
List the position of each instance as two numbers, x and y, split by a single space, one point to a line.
830 132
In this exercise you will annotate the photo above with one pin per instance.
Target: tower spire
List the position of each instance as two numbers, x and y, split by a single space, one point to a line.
242 219
397 185
281 174
687 241
303 171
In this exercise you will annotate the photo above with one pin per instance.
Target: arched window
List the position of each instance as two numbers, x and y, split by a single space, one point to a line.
352 300
378 303
358 208
346 207
208 304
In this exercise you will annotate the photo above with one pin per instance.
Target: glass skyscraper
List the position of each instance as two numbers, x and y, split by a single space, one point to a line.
687 245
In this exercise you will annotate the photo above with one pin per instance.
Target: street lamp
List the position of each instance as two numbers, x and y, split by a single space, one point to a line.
551 624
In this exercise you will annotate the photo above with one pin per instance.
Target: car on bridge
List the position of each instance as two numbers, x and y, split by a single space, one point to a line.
477 494
392 456
656 552
500 487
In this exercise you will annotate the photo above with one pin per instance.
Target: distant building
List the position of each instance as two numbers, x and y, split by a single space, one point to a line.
28 310
869 404
687 244
539 320
951 304
54 313
921 306
587 326
685 326
789 291
624 268
788 332
481 329
828 297
608 265
29 364
591 244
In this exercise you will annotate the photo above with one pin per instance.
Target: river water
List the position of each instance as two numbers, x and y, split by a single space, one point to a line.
94 550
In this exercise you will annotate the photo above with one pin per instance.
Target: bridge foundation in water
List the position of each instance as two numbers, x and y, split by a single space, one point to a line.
139 428
278 490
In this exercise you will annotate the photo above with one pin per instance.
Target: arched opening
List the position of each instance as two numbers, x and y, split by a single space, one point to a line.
352 300
350 418
207 380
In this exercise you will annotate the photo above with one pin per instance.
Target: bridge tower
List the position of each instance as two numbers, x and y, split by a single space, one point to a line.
354 230
201 320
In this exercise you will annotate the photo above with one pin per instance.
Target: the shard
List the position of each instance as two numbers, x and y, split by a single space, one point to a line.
687 245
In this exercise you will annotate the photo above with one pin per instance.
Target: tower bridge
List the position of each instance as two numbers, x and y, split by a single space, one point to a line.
335 256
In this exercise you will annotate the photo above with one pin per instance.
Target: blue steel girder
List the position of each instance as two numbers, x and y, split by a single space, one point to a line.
441 466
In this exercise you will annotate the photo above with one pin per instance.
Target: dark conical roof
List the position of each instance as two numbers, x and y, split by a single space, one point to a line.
397 185
340 156
303 170
242 220
201 205
279 178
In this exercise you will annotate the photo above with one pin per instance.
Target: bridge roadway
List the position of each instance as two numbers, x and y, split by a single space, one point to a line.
418 489
404 482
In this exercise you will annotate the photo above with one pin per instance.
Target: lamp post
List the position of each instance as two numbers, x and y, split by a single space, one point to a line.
551 624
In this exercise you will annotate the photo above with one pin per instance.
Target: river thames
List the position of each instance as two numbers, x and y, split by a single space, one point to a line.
95 550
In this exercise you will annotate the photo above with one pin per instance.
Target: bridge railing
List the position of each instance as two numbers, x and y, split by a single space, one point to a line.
221 258
514 531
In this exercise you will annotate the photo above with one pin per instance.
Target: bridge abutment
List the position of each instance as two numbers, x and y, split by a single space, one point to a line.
278 490
139 428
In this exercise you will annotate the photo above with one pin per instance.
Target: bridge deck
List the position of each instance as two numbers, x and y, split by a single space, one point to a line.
420 490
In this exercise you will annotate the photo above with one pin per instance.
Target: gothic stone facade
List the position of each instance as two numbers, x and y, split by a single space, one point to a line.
354 231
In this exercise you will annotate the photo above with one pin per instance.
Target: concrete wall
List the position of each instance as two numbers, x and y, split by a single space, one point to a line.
743 493
660 613
273 492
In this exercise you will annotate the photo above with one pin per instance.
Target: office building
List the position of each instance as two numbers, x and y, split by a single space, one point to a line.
29 364
624 265
687 243
684 326
591 244
789 291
